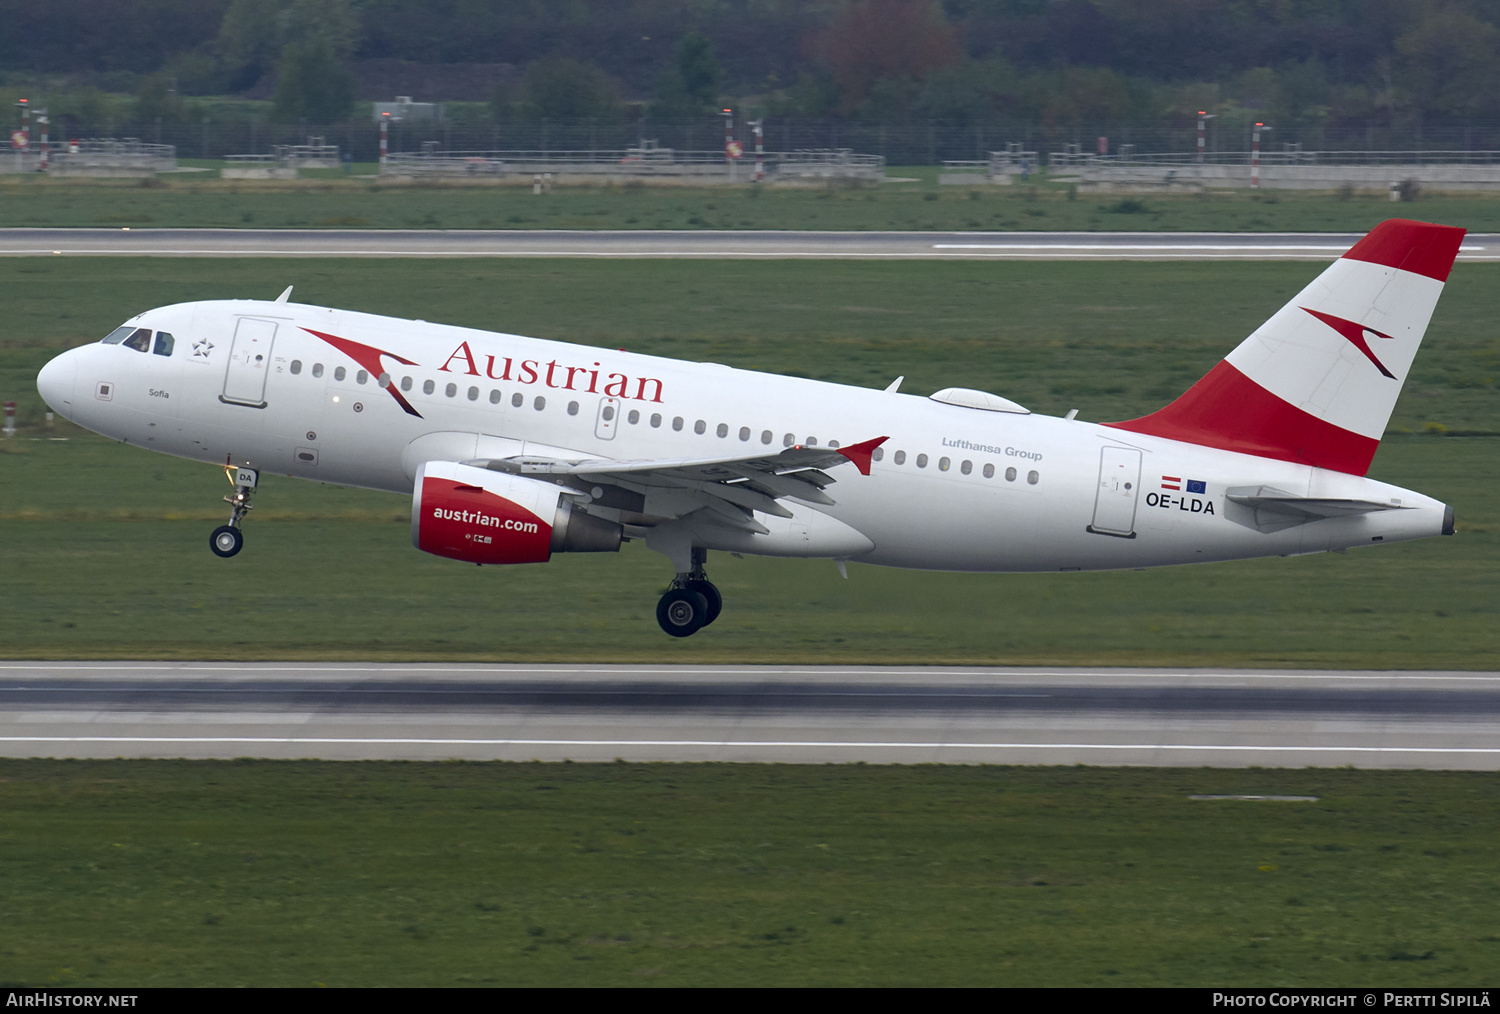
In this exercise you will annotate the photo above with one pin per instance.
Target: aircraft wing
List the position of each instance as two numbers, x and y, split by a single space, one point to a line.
730 488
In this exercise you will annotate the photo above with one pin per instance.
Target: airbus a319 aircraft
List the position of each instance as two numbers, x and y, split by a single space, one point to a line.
515 448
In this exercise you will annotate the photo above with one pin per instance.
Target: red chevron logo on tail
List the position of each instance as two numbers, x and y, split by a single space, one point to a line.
1356 335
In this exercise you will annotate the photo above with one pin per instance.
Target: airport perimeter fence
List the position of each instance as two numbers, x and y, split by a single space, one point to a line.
1288 169
653 163
906 142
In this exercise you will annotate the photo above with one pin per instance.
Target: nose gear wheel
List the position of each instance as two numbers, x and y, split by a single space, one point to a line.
227 540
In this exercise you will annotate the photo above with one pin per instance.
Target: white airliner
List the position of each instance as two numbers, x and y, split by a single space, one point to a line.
514 448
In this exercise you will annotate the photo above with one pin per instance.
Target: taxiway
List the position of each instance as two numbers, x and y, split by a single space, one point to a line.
132 242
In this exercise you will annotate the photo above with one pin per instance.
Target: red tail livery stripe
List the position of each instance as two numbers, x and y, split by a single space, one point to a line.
1419 247
1228 410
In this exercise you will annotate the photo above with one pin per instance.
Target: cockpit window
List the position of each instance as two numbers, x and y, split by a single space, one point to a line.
118 335
140 341
164 343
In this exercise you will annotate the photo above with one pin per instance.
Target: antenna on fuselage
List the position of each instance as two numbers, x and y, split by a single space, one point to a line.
285 295
895 385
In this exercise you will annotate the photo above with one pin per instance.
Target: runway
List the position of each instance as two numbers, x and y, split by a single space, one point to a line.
1148 246
878 715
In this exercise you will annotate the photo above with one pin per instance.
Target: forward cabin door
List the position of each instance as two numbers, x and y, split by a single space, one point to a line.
1119 490
608 419
249 362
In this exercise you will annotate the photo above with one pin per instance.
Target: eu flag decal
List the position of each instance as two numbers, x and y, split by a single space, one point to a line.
1197 486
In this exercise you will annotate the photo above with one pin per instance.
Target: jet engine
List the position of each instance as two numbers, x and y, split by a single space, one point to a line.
478 516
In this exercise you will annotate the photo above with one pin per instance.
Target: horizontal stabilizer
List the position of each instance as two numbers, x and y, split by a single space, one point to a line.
1308 508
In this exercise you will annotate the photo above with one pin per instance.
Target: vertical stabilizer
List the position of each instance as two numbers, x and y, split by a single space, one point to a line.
1317 382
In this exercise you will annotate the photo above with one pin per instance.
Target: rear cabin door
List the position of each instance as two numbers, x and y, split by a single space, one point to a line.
249 362
1119 490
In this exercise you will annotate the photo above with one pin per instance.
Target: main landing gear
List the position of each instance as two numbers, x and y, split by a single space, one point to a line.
691 603
227 540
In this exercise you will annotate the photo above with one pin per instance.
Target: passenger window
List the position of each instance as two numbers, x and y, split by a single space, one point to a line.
473 394
811 442
834 444
677 423
118 335
1033 478
428 387
406 383
340 373
296 367
788 440
943 464
744 432
384 380
518 399
900 457
1010 475
765 436
451 390
989 471
494 397
699 427
317 369
361 377
878 454
540 403
140 341
723 430
634 417
573 410
966 467
921 461
655 419
164 343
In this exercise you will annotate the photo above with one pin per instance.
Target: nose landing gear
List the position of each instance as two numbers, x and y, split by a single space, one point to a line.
228 540
692 602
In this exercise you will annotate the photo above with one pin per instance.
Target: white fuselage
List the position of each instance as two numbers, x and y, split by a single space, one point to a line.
954 488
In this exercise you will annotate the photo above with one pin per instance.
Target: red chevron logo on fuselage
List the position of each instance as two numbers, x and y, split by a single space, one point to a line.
368 357
1356 335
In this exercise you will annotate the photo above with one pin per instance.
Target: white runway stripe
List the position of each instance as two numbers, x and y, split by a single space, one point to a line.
723 744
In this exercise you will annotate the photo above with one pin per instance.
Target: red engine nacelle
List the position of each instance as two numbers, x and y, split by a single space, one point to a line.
478 516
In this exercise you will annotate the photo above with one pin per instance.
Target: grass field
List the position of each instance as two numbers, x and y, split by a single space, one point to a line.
920 205
103 546
297 874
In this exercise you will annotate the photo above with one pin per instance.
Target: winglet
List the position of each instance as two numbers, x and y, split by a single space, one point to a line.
860 453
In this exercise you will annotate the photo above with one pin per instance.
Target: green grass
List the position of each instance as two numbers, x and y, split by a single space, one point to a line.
141 873
104 552
335 201
103 546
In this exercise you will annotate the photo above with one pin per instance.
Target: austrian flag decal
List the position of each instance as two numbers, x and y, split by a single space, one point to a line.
1174 482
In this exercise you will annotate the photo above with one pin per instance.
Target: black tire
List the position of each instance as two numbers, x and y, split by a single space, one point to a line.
226 541
711 594
681 612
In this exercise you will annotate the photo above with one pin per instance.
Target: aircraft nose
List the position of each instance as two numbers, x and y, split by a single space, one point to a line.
55 382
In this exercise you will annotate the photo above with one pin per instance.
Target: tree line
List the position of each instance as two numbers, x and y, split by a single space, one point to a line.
1307 66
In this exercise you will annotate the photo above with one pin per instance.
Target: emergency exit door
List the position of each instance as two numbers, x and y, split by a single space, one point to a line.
1119 490
249 362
